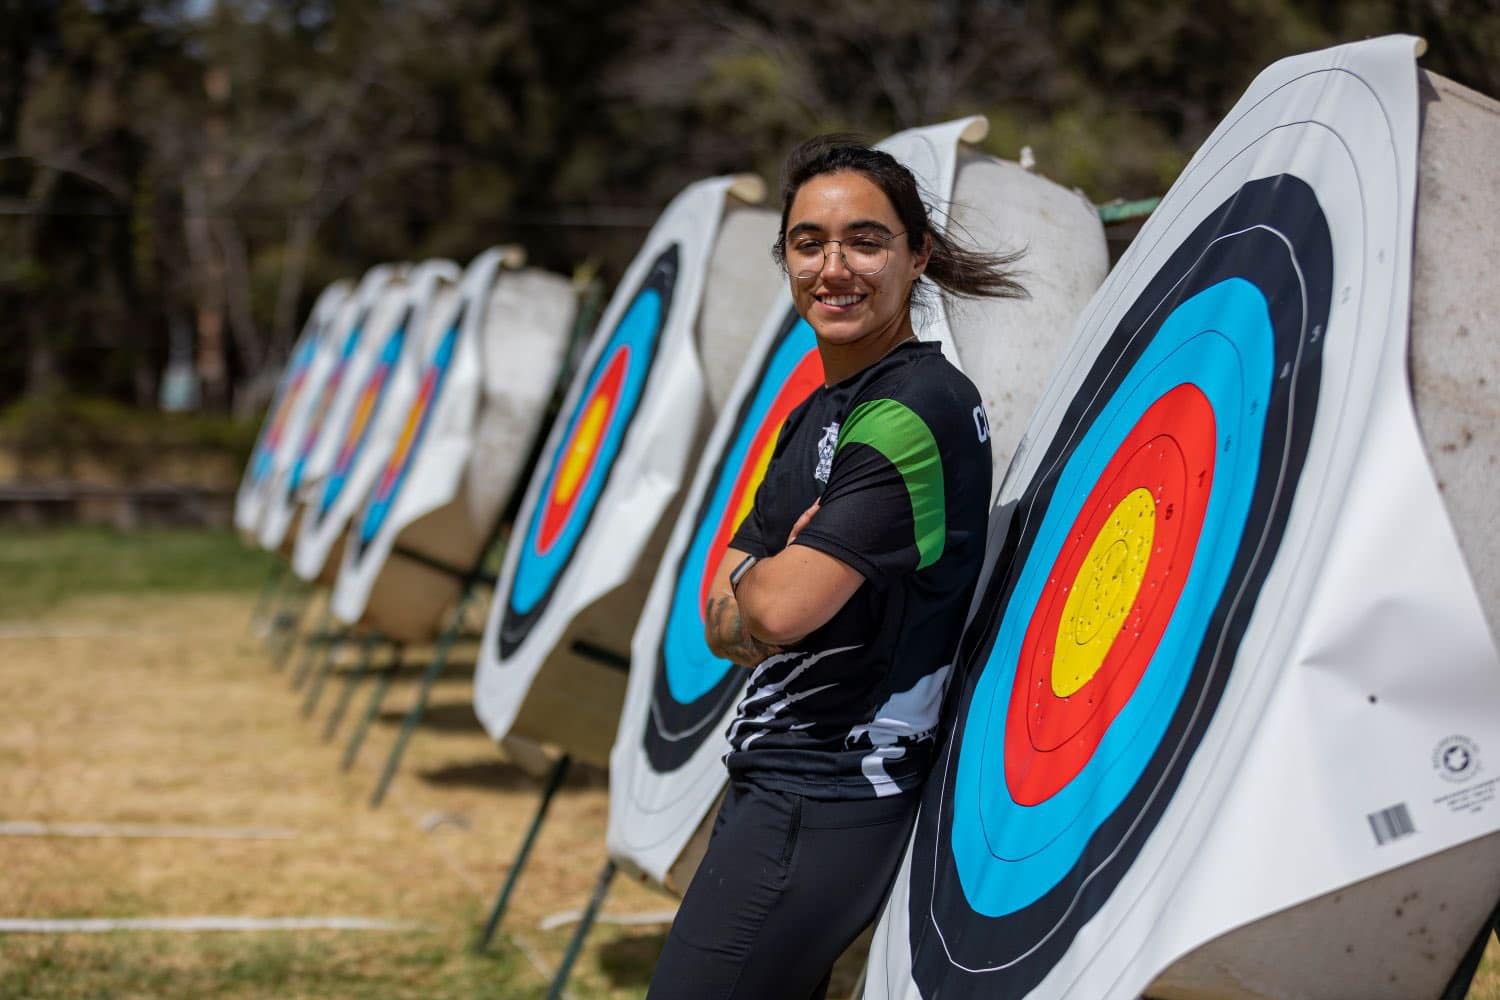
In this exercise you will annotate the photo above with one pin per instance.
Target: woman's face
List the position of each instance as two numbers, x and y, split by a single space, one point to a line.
843 307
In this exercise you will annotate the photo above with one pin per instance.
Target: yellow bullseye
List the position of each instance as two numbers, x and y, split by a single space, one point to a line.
582 449
1102 595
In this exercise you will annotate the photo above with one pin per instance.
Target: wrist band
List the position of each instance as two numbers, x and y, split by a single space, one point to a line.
738 573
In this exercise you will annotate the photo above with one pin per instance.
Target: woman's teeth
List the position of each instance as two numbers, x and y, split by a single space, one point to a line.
839 300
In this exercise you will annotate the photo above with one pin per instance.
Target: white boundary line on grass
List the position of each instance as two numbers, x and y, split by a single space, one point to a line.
37 828
9 925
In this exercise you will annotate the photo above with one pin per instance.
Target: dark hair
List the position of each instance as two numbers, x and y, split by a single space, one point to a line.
956 269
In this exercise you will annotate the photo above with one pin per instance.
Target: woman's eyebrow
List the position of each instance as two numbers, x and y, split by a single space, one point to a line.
857 226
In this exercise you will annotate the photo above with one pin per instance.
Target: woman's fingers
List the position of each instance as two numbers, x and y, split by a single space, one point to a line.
807 515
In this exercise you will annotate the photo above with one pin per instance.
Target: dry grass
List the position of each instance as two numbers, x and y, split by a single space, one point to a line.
158 708
154 706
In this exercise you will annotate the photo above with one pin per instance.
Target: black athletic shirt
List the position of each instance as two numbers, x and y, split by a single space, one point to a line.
899 454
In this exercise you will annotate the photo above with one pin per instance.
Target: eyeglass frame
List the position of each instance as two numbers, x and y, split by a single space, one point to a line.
798 276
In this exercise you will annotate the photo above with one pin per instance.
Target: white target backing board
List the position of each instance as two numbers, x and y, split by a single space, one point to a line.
364 417
250 499
488 369
306 422
599 504
1226 657
666 769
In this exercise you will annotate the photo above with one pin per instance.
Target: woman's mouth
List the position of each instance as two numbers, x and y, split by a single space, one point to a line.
840 301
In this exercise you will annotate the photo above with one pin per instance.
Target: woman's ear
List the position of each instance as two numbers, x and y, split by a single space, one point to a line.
920 259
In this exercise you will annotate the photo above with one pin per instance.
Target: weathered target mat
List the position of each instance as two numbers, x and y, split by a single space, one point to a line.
375 297
456 452
1227 661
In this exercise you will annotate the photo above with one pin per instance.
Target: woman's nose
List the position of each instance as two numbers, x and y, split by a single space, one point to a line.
833 256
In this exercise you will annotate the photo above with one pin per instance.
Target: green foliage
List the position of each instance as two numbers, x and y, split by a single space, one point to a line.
63 423
208 168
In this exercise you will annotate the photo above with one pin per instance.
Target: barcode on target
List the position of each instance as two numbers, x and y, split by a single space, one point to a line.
1391 824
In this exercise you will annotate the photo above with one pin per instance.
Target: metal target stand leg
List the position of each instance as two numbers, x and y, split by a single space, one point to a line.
315 690
555 778
270 592
310 643
414 715
351 684
382 684
585 924
324 665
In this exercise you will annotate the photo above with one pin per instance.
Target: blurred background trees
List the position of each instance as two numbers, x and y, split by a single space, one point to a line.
179 178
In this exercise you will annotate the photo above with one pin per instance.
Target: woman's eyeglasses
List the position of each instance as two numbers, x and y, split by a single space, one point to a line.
864 254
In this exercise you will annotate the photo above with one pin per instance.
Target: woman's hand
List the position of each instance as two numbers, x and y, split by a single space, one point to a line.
802 520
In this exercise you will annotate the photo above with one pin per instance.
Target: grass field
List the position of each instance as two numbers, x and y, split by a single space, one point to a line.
135 695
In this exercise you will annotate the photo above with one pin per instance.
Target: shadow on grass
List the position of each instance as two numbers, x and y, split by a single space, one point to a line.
446 717
627 960
504 775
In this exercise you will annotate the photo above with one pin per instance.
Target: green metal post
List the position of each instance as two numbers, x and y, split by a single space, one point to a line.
285 639
269 591
310 643
376 697
329 652
315 689
351 683
585 924
554 781
414 716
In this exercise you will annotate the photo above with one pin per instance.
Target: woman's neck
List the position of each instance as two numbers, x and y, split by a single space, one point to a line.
840 361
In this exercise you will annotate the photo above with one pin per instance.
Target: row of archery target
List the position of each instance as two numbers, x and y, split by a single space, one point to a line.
1179 630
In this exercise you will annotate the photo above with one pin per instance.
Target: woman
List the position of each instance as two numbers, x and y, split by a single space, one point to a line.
844 589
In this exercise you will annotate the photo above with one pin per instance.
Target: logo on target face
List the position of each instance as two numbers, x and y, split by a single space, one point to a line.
357 429
1133 560
1456 759
413 431
693 688
578 471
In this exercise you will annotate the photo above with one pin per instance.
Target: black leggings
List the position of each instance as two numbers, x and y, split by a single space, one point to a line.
787 883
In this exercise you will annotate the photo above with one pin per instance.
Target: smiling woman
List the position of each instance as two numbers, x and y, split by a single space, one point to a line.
842 588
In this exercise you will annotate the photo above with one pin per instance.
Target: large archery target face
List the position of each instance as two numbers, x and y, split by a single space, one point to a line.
413 430
357 427
1133 560
578 470
693 688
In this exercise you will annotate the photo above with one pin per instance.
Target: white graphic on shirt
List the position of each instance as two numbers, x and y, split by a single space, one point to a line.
907 717
758 695
827 444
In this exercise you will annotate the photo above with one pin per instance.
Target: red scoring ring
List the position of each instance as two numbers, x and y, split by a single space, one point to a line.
1170 451
555 515
804 378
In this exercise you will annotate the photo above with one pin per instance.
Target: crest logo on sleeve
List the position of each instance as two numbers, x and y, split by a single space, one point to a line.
827 445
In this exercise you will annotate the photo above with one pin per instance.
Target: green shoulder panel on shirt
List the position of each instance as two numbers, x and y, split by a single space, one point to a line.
895 431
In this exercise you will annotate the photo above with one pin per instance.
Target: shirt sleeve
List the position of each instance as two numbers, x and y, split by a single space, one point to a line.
884 510
750 536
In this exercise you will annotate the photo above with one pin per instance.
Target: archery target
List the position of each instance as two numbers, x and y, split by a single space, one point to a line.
1158 539
595 430
595 514
325 383
250 500
459 448
347 460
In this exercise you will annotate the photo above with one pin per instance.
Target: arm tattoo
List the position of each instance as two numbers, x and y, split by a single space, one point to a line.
732 637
